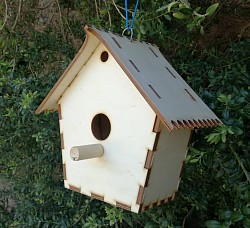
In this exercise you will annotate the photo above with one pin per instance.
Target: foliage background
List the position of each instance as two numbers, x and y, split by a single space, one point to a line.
38 40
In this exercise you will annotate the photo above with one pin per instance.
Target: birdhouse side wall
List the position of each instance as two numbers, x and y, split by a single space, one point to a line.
168 159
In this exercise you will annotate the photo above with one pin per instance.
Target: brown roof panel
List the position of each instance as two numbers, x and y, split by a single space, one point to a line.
172 99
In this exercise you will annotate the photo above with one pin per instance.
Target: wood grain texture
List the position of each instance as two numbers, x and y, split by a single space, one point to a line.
125 149
123 206
62 140
140 195
73 188
59 109
96 196
64 172
148 162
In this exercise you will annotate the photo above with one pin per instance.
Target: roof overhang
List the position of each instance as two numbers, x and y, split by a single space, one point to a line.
93 38
51 100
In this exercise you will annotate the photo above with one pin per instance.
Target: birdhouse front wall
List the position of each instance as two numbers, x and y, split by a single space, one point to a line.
102 88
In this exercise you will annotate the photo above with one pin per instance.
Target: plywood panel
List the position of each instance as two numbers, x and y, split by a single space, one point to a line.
102 87
51 100
167 164
164 89
174 101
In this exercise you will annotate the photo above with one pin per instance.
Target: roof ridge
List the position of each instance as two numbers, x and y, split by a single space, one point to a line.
118 34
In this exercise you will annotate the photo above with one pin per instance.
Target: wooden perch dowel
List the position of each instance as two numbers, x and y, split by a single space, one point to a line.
78 153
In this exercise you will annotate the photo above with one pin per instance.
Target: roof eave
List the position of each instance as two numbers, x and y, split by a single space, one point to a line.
180 124
52 98
92 40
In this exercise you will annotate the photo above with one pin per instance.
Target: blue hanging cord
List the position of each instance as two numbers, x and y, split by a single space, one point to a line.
126 10
129 27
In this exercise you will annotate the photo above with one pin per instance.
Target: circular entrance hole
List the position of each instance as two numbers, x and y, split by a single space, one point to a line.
101 126
104 56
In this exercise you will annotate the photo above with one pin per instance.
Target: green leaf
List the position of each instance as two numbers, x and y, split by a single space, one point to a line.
223 138
191 26
194 160
225 214
237 216
167 17
170 5
179 15
229 130
212 224
226 224
222 98
197 9
162 8
184 4
211 9
246 222
186 11
142 30
225 114
245 210
151 225
213 138
237 130
220 173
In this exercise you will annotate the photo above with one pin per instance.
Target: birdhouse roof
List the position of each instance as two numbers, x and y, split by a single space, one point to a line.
172 99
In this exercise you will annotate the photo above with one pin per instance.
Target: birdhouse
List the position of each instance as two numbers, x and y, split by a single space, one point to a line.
125 120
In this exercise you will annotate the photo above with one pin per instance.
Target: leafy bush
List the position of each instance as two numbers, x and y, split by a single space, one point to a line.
215 186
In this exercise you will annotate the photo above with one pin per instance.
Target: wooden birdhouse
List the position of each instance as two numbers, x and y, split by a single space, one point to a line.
125 120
